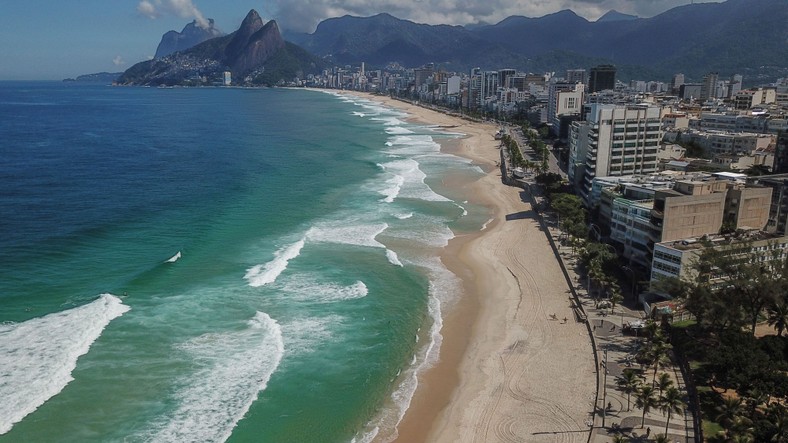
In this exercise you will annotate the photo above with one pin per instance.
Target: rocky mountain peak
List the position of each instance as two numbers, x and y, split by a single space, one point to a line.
191 35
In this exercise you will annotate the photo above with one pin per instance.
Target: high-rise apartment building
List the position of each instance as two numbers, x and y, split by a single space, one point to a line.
488 86
601 78
708 89
675 84
503 76
614 140
735 85
563 98
475 89
422 75
576 76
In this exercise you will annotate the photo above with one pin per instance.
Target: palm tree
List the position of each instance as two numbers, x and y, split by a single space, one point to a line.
661 438
615 297
628 382
595 272
778 416
645 401
754 399
671 402
728 410
663 382
652 330
660 356
741 430
618 438
777 316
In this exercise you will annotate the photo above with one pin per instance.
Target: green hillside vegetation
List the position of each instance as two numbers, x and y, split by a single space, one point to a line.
288 63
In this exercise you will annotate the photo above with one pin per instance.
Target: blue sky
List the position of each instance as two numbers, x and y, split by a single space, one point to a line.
52 40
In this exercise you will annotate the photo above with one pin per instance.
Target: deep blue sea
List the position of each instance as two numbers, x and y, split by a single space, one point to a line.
218 264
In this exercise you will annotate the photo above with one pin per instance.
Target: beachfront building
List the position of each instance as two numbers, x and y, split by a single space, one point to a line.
630 227
640 211
614 140
778 210
676 258
695 208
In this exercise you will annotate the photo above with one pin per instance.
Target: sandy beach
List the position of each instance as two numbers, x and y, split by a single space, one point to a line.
510 368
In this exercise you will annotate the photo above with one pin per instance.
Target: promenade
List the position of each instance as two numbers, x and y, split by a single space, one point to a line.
613 414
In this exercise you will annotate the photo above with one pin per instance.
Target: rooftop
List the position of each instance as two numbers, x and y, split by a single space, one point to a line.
717 240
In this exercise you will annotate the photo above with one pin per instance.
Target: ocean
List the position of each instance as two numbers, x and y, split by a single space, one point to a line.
218 264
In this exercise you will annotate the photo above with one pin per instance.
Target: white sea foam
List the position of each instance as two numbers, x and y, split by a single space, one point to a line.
392 191
484 226
431 232
413 145
393 259
404 216
264 274
359 114
379 109
305 335
305 289
367 437
343 232
398 130
412 180
443 284
234 367
38 356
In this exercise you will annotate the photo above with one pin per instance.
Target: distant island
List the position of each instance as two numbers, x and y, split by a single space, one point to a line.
99 77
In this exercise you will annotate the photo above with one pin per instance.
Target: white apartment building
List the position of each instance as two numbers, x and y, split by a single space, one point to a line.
562 99
676 258
617 140
630 225
753 97
731 121
736 143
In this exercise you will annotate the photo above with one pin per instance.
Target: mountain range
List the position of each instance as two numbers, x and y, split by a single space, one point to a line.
748 37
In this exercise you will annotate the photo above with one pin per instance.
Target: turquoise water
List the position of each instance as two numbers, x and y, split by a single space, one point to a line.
217 264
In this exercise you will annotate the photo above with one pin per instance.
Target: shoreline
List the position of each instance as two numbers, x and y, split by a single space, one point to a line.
508 368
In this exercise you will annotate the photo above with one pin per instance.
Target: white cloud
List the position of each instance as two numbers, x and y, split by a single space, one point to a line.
147 9
181 8
118 61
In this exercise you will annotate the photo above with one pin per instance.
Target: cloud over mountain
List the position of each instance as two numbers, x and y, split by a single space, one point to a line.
181 8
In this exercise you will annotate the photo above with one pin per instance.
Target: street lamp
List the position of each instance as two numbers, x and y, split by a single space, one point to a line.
604 388
632 277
